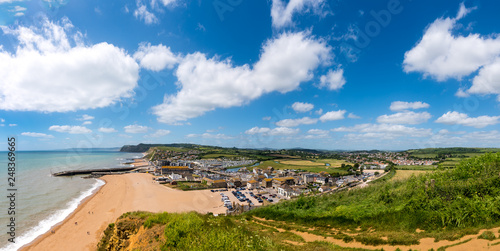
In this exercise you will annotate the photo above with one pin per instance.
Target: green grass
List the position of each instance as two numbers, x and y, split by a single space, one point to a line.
416 167
313 168
461 198
220 155
487 235
443 248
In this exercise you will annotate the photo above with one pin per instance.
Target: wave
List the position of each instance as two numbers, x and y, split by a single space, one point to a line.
46 224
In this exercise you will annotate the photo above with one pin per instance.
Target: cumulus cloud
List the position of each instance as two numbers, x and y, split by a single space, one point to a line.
296 122
267 118
278 131
353 116
87 123
53 71
487 80
86 117
156 57
457 118
333 115
159 133
302 107
401 105
107 130
37 135
12 124
282 13
210 136
443 55
136 129
70 129
411 118
209 83
333 80
385 130
317 134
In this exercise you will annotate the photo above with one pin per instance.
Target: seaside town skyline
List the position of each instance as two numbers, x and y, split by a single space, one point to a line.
389 75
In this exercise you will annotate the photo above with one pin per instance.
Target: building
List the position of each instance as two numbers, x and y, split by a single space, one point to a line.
324 189
278 182
285 190
215 183
266 183
252 184
182 170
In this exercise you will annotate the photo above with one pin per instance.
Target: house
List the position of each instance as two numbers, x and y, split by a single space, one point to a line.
215 183
308 177
278 182
183 170
321 180
266 183
175 176
252 184
285 190
324 189
236 181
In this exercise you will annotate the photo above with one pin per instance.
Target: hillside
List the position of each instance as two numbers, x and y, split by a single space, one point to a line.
442 205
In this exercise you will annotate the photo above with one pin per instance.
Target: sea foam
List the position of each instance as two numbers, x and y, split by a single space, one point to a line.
54 219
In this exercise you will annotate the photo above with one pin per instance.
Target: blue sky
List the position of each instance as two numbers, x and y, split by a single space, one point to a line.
322 74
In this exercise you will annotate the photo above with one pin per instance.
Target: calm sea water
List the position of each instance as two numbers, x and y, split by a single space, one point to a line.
43 200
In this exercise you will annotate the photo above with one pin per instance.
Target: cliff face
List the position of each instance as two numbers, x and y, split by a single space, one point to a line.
128 233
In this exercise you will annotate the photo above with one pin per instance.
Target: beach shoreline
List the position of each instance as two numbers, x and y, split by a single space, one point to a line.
83 228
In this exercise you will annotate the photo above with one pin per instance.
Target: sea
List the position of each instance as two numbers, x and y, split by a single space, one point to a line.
43 200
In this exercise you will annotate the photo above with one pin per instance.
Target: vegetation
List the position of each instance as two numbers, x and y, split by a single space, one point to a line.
454 200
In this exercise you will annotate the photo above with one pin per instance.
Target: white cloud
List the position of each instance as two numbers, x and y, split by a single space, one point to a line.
72 77
333 115
353 116
159 133
333 80
487 80
37 135
282 13
70 129
9 1
457 118
86 117
87 123
319 111
296 122
411 118
302 107
317 134
385 130
107 130
278 131
12 124
267 118
443 55
257 130
209 136
2 120
142 13
155 58
401 106
136 129
208 84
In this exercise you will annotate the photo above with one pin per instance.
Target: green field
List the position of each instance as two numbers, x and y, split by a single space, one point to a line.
301 165
417 167
334 162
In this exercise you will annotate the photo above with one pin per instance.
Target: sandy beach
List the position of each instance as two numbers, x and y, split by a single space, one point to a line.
82 230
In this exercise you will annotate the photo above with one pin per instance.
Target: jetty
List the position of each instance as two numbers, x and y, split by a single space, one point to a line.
90 171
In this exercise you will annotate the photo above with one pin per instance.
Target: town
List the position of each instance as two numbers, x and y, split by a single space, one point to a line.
250 182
